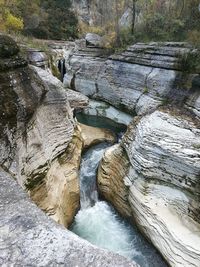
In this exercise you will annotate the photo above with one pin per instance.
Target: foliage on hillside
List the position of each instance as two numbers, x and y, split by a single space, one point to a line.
50 19
152 20
168 20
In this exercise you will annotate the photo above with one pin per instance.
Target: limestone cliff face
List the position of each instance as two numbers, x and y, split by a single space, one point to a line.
99 13
37 128
105 12
43 145
21 92
40 146
160 183
137 80
112 170
153 176
58 194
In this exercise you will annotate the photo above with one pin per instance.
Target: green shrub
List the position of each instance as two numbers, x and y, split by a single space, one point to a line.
190 62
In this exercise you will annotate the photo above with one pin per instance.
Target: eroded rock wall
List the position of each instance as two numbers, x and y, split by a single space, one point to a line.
162 182
37 129
40 147
138 80
111 172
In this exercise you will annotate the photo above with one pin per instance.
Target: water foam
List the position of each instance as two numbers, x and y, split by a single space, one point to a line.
98 222
101 226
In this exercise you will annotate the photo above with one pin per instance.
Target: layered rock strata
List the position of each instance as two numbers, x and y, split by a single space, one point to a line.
40 147
37 127
37 58
137 80
58 195
112 170
160 183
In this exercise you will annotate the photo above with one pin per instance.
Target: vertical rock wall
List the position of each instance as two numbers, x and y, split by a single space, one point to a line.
160 182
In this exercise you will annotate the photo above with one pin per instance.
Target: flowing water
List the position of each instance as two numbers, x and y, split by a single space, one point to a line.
98 222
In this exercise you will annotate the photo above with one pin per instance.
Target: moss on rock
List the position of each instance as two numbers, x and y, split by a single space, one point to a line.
8 47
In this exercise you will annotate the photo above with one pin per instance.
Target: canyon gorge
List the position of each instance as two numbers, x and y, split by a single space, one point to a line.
144 105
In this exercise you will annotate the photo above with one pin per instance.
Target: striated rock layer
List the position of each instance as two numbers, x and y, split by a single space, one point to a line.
40 147
160 182
59 194
139 79
112 170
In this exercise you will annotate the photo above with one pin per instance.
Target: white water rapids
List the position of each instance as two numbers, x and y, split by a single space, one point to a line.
98 222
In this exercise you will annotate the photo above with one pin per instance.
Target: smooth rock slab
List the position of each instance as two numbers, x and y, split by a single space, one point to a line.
29 238
102 109
138 80
161 212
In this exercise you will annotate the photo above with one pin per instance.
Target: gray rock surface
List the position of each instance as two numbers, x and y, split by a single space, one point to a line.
126 19
38 58
161 182
29 238
98 13
138 80
102 109
38 149
94 40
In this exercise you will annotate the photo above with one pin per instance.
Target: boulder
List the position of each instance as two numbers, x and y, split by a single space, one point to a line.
37 58
94 40
8 47
93 135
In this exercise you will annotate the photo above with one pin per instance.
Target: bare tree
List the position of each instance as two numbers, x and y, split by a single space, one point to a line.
133 15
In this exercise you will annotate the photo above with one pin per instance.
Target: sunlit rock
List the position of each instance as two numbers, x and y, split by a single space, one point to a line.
93 135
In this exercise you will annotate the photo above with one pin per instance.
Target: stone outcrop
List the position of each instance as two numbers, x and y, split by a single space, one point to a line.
93 40
160 183
76 100
37 58
153 176
40 146
113 168
138 80
29 238
100 13
104 110
58 195
93 135
37 128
